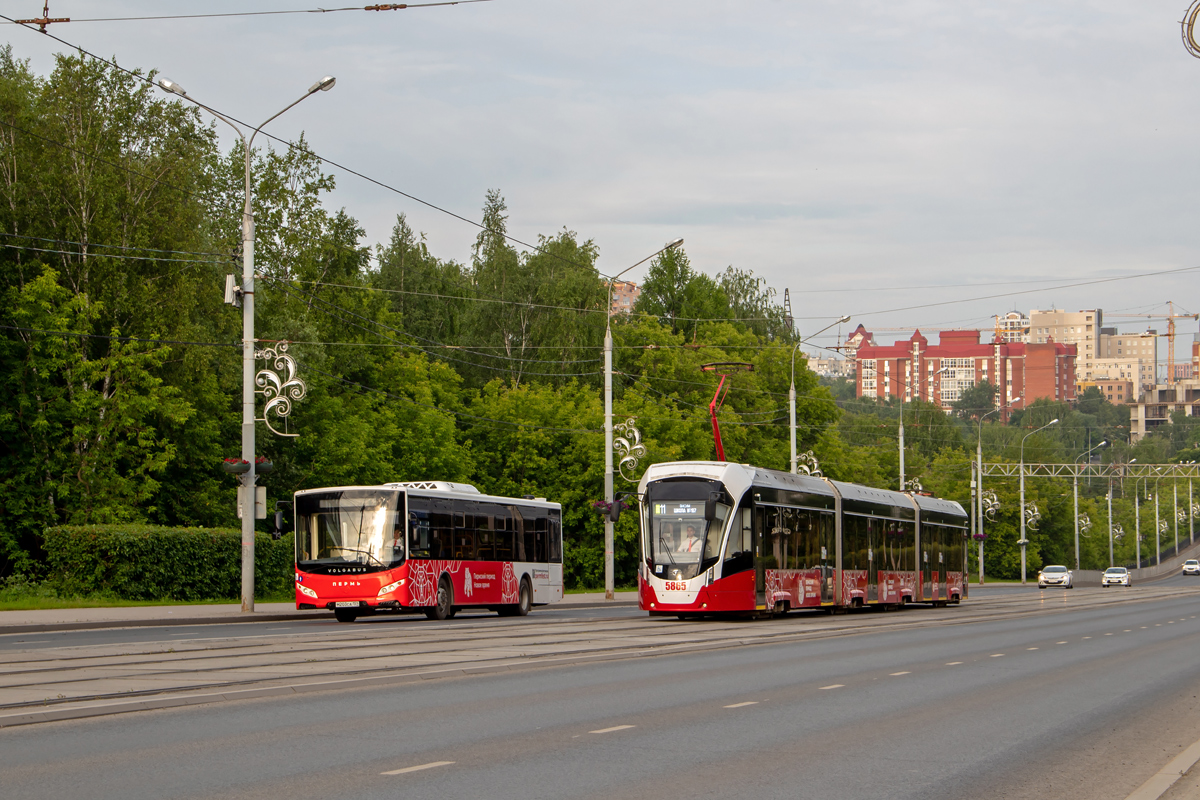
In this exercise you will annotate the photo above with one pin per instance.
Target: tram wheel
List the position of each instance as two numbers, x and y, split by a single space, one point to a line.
345 614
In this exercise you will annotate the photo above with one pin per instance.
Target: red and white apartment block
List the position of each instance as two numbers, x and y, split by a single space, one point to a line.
1023 371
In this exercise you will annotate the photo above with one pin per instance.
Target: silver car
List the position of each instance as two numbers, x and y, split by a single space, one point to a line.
1115 576
1055 576
1191 567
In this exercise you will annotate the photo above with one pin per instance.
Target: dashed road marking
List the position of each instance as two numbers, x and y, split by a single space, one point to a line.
1087 637
418 768
1031 648
741 705
833 686
895 674
1108 634
953 663
614 728
996 655
1127 630
1060 642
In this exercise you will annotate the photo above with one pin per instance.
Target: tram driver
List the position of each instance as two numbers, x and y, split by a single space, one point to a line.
691 542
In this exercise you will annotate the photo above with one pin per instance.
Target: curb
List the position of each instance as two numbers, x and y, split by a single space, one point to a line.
299 616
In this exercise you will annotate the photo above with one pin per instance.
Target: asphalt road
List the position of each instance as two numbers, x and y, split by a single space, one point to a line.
1080 701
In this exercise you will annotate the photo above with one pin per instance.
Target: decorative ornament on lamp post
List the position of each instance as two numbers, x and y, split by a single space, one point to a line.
1118 532
1085 524
1032 518
807 464
913 485
280 391
628 447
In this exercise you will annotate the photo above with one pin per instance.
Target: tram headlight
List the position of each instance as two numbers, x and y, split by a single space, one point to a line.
391 587
307 592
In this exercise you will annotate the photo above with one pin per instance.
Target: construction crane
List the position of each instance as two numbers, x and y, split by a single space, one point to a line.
1170 317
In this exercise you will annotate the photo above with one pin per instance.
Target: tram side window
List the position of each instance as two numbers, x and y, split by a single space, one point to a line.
854 541
739 552
806 545
779 537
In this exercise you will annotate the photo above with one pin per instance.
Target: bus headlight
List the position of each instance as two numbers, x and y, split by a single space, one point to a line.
307 592
391 587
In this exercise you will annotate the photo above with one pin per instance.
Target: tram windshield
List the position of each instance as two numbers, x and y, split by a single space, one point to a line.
357 526
681 542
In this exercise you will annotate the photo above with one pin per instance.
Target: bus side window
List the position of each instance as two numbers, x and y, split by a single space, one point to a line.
555 538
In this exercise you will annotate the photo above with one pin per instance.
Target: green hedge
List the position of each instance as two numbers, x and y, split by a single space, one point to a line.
148 562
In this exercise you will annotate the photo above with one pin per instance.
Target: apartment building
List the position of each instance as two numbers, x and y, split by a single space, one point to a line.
624 295
1079 328
1013 327
1142 346
913 368
1154 408
1118 392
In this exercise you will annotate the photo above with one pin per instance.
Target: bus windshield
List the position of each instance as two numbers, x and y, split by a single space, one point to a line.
681 542
359 526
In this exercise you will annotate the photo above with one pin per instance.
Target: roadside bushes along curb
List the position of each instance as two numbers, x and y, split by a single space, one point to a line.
148 562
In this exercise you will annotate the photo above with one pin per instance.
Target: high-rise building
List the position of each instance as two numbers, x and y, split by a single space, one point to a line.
913 368
1142 346
1012 327
1080 328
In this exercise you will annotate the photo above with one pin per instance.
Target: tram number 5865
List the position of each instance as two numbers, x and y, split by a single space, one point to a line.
676 586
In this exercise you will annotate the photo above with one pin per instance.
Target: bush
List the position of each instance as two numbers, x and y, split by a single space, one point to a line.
149 562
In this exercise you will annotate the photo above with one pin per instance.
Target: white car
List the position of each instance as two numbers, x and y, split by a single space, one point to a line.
1115 576
1191 567
1055 576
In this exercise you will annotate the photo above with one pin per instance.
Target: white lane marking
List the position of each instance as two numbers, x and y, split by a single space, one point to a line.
1127 630
894 674
1143 627
418 768
1087 637
1108 634
1060 642
614 728
1158 624
743 705
953 663
1170 622
1031 648
833 686
996 655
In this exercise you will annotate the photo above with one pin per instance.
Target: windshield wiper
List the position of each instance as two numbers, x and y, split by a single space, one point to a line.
667 549
366 553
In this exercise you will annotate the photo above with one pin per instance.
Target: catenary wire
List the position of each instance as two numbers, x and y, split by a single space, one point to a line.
378 7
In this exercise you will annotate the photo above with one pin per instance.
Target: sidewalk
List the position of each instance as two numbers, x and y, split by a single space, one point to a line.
70 619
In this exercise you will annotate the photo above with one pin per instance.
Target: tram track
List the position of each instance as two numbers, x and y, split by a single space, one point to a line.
394 653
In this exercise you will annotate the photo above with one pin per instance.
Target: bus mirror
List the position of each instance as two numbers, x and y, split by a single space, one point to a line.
277 534
710 507
614 511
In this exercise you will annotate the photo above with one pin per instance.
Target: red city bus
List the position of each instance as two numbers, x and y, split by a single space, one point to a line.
731 538
435 547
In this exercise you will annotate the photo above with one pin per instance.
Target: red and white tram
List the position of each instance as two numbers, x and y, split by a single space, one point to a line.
723 538
434 547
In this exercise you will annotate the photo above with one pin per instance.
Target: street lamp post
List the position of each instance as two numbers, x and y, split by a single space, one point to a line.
792 390
979 472
1025 541
902 395
1075 491
608 423
248 342
1157 533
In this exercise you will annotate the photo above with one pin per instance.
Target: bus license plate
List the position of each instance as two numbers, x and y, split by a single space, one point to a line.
346 604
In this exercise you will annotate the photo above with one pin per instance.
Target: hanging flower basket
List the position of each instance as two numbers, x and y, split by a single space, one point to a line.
235 466
262 466
979 537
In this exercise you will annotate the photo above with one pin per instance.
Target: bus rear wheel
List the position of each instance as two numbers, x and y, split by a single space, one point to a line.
524 602
445 601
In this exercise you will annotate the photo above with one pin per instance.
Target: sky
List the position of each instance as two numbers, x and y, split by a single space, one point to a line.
914 164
